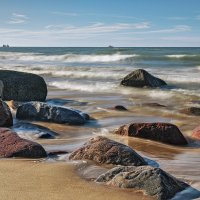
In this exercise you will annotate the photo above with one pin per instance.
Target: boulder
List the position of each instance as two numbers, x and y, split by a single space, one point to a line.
141 78
39 111
103 150
196 133
162 132
153 181
11 145
20 86
6 119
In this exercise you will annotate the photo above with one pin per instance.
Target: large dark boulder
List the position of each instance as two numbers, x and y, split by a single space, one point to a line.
153 181
162 132
6 119
141 78
39 111
11 145
20 86
103 150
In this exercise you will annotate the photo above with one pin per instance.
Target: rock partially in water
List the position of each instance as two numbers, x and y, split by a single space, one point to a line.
162 132
153 105
43 112
11 145
20 86
196 133
141 78
6 119
103 150
120 108
192 111
27 130
154 181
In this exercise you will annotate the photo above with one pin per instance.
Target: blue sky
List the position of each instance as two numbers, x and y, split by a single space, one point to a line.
100 22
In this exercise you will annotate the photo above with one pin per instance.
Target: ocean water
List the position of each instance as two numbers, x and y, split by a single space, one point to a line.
101 69
88 79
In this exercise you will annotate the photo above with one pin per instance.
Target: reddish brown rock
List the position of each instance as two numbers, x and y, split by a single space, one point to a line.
6 119
162 132
11 145
196 133
103 150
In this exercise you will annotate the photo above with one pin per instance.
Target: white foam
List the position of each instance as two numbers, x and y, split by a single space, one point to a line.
67 58
180 56
90 87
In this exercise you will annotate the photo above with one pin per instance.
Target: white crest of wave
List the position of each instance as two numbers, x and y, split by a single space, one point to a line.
64 58
180 56
87 87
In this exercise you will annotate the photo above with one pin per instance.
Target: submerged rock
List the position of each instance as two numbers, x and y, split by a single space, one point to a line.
11 145
154 181
103 150
20 86
162 132
27 130
120 108
196 133
141 78
6 119
43 112
192 111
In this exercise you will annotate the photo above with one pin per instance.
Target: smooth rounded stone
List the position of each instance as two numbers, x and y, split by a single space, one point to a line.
162 132
153 181
120 108
196 133
103 150
20 86
43 112
11 145
6 119
141 78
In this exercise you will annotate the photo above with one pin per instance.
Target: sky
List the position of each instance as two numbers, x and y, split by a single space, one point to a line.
89 23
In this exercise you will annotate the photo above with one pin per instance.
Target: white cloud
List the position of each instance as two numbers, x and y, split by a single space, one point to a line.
18 19
97 28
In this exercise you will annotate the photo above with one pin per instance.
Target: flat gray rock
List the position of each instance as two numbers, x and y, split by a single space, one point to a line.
154 181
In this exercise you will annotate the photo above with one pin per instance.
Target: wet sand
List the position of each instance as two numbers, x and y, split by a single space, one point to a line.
38 180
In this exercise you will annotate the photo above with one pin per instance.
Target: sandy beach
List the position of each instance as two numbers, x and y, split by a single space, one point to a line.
29 179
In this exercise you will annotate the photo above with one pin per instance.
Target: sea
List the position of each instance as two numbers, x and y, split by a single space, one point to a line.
89 79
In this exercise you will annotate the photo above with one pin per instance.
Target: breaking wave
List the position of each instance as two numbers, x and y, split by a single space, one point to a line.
67 58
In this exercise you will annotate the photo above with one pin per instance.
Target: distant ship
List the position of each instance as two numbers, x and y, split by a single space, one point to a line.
110 46
6 46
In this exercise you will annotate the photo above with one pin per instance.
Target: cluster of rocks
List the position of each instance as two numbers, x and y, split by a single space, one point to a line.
133 172
31 91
